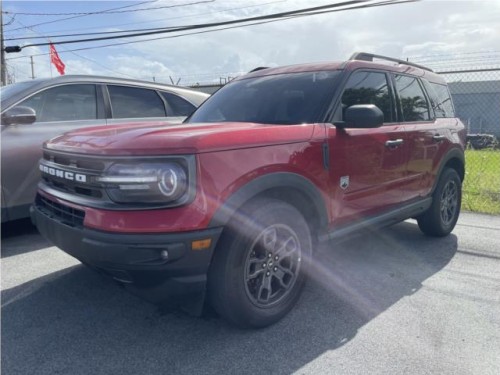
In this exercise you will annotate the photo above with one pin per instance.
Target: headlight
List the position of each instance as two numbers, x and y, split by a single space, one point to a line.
145 182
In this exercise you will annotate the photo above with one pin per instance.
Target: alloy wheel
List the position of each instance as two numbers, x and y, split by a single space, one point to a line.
272 265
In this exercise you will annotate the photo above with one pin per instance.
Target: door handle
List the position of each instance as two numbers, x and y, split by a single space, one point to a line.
394 143
438 138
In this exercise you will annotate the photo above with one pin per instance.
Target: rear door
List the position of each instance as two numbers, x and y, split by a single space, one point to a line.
425 135
446 124
367 166
136 104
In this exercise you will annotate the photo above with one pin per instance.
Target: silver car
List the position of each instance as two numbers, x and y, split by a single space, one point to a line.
35 111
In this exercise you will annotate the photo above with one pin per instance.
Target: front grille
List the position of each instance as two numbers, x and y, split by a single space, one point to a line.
67 187
65 214
80 162
75 164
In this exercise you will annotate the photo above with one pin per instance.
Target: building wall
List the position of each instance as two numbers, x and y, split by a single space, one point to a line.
480 112
477 102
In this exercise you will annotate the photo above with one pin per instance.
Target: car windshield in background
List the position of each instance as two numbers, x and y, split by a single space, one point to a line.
292 98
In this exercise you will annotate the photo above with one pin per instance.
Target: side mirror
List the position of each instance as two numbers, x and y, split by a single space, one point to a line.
19 115
363 116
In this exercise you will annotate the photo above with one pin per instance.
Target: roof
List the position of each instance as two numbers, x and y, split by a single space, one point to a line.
27 88
310 67
348 65
105 79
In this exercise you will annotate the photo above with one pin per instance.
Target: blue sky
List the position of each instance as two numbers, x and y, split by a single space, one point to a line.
443 34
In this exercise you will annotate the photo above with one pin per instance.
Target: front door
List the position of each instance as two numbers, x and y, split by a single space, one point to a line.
367 166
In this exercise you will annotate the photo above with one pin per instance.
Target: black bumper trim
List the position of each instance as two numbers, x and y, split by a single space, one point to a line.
136 259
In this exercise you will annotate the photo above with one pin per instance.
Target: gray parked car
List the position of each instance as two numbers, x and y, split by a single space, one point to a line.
37 110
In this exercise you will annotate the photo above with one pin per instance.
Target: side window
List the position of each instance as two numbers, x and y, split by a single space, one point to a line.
133 102
368 88
64 103
440 99
413 103
179 106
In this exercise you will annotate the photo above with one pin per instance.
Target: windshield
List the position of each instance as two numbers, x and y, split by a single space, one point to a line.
291 98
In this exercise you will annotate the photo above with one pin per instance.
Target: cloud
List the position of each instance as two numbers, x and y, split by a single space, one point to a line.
402 31
139 66
412 30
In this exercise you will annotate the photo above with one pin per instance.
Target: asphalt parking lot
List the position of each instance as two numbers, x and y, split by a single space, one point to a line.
388 302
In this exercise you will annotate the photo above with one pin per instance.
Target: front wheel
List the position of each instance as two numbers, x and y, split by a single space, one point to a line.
441 217
259 265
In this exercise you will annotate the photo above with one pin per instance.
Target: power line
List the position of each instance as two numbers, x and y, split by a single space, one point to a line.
424 57
462 61
490 60
382 3
138 30
108 11
165 19
3 67
16 68
202 75
96 33
69 18
102 66
347 5
12 18
78 55
471 71
189 27
159 38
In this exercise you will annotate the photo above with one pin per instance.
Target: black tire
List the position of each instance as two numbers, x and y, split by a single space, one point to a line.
441 217
254 280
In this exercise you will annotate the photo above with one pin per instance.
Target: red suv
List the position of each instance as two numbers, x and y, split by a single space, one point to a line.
229 207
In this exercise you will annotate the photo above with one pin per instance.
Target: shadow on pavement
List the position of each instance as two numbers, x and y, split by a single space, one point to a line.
75 321
19 237
17 228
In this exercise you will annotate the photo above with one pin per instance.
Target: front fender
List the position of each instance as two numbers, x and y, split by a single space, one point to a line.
270 182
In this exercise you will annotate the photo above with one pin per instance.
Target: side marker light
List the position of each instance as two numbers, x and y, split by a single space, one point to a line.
201 244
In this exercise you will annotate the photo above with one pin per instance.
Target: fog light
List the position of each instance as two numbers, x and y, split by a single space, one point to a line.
201 244
164 254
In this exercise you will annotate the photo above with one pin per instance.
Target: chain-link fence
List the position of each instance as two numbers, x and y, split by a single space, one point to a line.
476 95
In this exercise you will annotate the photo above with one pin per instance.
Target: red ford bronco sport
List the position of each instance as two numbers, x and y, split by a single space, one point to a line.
228 207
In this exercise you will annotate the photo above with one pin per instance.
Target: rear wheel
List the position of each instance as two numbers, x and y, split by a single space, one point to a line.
259 266
440 219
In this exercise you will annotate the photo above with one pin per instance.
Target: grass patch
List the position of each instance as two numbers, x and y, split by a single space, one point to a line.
481 189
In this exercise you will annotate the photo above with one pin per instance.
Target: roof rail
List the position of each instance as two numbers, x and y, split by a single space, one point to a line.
363 56
258 68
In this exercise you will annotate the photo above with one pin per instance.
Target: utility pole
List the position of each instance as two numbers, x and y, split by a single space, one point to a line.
3 67
32 68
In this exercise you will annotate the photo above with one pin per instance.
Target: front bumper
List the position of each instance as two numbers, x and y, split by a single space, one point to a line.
158 267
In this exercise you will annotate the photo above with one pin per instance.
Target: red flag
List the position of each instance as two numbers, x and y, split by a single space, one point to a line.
56 60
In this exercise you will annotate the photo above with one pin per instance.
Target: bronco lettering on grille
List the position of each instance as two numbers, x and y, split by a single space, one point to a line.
63 174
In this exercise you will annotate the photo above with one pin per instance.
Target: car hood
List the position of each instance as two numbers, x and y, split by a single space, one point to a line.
148 139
